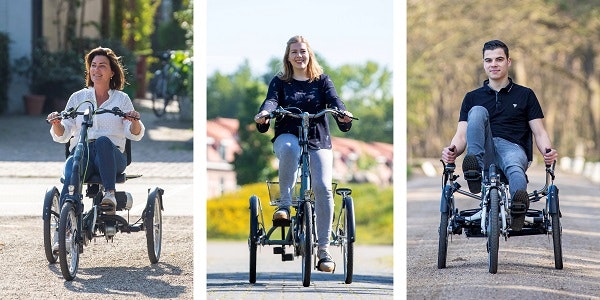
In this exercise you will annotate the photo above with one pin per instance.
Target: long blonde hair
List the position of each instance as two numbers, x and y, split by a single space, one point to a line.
313 69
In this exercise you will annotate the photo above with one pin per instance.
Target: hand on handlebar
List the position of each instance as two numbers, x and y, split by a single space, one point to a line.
449 154
132 116
53 118
345 116
262 117
550 156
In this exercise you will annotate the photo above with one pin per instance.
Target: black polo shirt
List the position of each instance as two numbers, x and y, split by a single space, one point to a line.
510 111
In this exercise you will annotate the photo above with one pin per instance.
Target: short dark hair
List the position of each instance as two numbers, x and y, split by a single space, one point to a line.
495 44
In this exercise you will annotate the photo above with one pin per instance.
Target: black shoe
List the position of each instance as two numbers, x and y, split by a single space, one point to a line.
472 173
520 205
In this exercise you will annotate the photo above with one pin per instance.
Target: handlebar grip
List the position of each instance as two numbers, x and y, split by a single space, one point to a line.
548 151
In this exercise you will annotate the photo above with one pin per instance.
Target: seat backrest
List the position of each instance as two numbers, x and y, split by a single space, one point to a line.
127 150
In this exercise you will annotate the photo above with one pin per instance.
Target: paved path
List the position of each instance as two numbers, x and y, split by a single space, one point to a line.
228 263
526 263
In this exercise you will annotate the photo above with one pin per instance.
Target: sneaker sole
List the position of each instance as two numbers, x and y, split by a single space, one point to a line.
472 174
518 209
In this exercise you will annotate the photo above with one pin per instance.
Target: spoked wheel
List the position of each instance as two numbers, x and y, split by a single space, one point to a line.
51 215
159 104
253 237
348 241
153 224
68 248
493 231
306 242
443 240
556 240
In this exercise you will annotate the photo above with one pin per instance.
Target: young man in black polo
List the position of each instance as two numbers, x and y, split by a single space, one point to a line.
496 124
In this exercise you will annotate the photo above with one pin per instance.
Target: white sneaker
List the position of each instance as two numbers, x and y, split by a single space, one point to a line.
109 201
326 263
55 243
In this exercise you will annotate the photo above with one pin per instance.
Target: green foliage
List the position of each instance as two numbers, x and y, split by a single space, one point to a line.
185 17
170 35
4 71
138 24
54 74
254 161
373 209
183 62
557 58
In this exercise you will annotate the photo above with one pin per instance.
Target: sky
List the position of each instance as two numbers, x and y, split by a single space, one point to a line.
340 31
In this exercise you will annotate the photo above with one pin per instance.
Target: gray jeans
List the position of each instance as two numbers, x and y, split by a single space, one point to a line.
288 152
507 156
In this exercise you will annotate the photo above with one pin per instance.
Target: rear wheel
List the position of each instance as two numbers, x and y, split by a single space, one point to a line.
51 215
153 225
306 241
493 231
556 240
348 242
253 237
68 248
443 241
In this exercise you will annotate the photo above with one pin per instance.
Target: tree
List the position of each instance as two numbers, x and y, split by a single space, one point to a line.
254 162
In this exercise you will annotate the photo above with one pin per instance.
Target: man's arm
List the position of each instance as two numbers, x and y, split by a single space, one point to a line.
459 143
542 140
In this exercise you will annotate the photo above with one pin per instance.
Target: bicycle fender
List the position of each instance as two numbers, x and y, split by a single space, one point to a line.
553 202
446 199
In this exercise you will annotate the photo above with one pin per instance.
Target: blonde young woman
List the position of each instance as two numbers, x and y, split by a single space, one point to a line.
303 85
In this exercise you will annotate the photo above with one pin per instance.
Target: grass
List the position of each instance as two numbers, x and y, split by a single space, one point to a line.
228 215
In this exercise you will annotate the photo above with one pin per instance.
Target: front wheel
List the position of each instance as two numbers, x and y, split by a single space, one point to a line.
51 215
348 242
556 240
443 241
253 237
68 247
493 231
307 242
153 224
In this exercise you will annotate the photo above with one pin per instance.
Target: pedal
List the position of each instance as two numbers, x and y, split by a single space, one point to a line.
278 250
287 257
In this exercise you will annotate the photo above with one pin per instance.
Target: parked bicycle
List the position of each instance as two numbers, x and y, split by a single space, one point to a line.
300 233
165 85
72 227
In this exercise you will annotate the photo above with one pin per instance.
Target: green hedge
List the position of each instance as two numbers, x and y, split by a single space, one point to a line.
4 71
228 216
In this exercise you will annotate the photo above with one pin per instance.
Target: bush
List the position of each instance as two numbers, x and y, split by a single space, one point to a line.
4 71
228 216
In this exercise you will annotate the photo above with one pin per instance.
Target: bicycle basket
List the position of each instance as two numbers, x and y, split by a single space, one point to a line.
275 193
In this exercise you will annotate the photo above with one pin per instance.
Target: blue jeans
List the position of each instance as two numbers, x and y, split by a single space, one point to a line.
99 157
288 152
507 156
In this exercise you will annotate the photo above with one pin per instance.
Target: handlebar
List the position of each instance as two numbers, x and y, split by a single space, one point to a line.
72 113
282 112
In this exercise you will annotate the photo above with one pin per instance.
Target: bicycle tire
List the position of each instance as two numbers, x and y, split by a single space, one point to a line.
443 240
253 237
68 246
306 233
153 225
493 231
348 243
557 240
51 217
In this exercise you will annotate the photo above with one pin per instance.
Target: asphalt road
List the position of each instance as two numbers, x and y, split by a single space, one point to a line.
526 264
228 263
